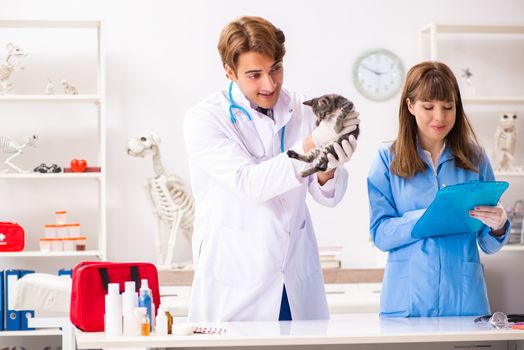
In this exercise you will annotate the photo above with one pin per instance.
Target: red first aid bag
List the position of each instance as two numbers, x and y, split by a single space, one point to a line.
11 237
90 280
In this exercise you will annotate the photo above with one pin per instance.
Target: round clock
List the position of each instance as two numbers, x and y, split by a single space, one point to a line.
378 74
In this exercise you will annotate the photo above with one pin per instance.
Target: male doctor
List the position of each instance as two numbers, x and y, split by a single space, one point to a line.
254 249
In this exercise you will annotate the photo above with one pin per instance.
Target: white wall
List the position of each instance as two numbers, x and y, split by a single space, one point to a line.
162 59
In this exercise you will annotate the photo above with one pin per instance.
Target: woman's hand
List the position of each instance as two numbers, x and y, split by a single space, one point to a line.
494 217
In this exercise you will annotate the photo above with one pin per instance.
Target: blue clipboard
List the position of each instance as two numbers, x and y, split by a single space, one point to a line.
448 213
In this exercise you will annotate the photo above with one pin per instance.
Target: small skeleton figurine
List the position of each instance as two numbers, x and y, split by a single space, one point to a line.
469 89
466 73
50 87
68 88
9 66
505 142
8 145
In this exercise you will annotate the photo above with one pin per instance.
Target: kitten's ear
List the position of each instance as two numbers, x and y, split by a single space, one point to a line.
310 102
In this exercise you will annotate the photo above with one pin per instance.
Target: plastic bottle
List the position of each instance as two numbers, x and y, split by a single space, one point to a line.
143 320
144 300
129 303
113 310
161 321
169 320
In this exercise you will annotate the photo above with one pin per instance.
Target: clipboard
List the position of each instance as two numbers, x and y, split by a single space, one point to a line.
448 213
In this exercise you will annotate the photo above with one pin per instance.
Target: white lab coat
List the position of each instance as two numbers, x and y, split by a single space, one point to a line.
252 230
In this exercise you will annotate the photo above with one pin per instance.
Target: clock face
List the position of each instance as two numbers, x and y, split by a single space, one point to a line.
378 74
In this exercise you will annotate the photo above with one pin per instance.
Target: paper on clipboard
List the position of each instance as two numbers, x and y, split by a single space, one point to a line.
448 214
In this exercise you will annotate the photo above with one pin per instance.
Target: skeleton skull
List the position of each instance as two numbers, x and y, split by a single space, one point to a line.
142 146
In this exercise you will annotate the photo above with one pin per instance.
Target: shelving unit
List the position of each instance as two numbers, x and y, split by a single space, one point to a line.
51 98
502 100
513 248
39 254
74 102
433 30
35 333
432 40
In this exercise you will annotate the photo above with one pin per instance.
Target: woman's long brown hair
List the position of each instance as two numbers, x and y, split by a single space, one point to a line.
429 81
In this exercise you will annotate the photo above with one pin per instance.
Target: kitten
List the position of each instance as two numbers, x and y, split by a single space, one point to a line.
326 107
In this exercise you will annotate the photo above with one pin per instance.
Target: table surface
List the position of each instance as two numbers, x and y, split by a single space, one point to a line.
342 329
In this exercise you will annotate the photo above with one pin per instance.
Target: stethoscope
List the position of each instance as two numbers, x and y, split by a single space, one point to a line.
247 130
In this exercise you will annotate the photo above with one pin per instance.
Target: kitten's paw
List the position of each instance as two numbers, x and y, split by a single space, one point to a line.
292 154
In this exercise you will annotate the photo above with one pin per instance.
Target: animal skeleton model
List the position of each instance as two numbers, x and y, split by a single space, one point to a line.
8 145
68 88
9 66
505 142
172 204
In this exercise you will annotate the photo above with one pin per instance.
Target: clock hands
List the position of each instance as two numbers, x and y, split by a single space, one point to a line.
373 71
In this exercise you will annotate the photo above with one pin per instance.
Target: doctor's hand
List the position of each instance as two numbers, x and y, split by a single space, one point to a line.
343 152
325 132
494 217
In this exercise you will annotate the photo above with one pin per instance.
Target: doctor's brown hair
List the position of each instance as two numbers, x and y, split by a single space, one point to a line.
429 81
250 33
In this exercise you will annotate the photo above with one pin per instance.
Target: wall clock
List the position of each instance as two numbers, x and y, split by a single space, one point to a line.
378 74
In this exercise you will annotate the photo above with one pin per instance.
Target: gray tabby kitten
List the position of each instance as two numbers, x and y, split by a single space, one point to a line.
326 107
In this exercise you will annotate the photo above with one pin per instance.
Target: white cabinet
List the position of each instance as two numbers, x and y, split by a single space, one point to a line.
68 127
494 53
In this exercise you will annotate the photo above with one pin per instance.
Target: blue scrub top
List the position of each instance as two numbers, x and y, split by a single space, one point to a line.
438 276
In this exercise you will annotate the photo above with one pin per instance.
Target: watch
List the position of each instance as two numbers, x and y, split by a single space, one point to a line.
378 74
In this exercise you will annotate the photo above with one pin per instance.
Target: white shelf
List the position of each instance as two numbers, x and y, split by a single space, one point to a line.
97 176
484 100
513 248
48 24
39 254
432 31
509 173
517 28
33 333
50 98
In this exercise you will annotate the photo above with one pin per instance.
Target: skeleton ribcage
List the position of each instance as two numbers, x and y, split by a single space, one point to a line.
175 202
5 71
6 145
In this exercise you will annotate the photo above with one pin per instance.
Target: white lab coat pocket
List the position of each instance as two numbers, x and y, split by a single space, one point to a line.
242 258
302 259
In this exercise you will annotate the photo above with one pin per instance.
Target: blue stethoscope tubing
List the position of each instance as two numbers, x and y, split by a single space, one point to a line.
233 105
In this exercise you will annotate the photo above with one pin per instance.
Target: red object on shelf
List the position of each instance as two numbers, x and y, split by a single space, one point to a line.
89 169
11 237
78 165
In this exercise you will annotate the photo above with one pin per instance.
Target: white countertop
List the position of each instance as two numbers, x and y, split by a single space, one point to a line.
342 298
342 329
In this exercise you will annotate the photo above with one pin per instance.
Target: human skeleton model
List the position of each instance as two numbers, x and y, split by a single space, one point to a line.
172 204
14 53
505 142
8 145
